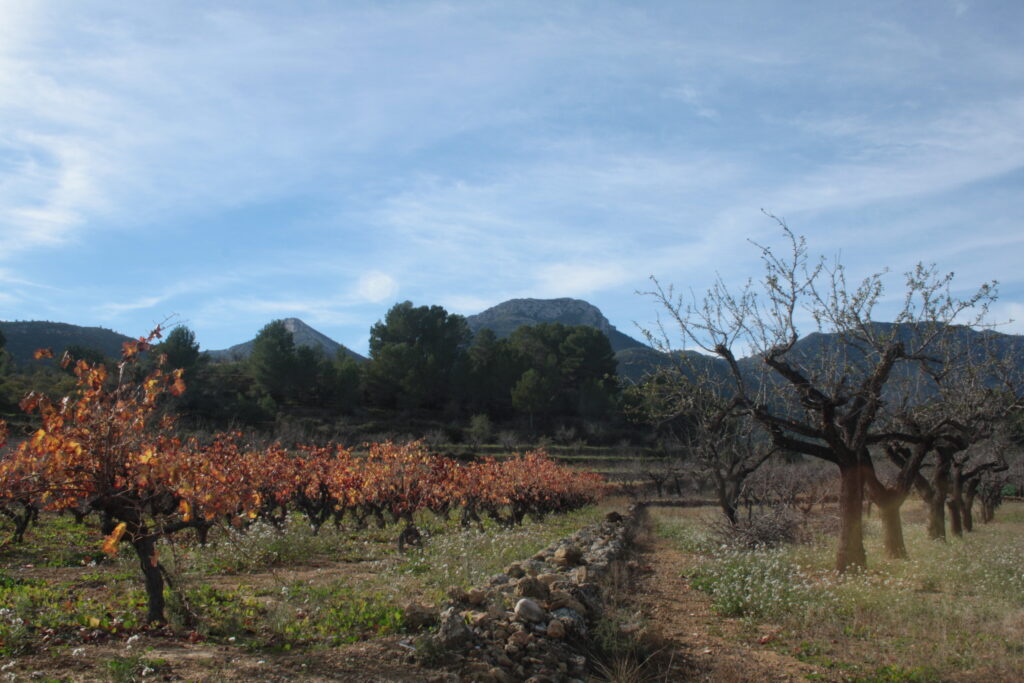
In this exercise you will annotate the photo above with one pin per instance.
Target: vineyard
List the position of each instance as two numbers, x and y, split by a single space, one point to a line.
327 559
108 449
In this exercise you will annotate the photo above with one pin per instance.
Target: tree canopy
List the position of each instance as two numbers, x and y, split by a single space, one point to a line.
415 355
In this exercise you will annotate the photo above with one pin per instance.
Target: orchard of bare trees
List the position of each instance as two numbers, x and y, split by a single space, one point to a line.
798 365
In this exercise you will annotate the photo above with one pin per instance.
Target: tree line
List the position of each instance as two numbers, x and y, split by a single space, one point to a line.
423 360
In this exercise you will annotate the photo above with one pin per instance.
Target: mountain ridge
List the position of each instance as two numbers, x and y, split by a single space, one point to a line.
25 336
634 358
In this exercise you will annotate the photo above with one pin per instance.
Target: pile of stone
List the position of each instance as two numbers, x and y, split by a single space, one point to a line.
530 623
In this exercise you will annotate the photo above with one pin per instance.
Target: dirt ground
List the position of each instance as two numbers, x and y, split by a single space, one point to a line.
696 644
385 659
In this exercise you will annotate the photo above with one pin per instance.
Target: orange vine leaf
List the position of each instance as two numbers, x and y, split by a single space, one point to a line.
110 544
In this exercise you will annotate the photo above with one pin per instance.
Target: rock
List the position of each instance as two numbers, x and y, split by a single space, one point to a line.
589 594
478 671
529 611
444 678
553 594
452 631
549 579
568 556
457 594
520 639
561 599
573 621
556 629
417 616
529 587
501 676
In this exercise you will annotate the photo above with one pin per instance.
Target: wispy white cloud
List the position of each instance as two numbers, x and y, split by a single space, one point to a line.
581 279
376 286
899 161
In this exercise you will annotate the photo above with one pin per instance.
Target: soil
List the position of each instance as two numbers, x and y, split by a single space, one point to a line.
693 643
377 661
696 644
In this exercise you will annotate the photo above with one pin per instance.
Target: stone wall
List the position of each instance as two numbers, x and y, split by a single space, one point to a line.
531 622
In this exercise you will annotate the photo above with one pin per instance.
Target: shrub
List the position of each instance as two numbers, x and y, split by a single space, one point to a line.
770 527
479 430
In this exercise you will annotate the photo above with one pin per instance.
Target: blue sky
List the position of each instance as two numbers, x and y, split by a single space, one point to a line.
231 163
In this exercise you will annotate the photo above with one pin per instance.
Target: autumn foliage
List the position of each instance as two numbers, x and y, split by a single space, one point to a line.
110 450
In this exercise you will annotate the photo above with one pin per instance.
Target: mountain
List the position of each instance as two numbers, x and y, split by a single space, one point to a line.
634 358
303 334
506 317
825 354
24 337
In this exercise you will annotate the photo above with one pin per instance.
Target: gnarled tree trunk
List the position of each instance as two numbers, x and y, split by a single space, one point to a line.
955 519
850 553
939 490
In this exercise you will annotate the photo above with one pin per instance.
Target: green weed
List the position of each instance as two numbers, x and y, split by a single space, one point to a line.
132 669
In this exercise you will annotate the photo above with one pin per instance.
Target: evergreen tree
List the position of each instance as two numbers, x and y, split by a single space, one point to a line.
415 355
273 360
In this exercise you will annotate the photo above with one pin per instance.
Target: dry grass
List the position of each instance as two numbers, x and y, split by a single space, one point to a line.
954 611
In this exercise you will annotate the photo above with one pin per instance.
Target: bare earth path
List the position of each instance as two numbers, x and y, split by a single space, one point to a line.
701 645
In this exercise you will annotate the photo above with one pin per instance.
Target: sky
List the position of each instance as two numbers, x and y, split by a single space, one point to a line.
224 164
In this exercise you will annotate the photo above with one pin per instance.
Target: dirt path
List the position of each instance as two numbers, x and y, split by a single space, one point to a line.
701 645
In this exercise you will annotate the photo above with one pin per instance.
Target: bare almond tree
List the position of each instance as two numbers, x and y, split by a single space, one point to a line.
725 445
948 431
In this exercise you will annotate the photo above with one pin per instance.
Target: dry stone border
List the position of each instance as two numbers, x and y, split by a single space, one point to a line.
530 623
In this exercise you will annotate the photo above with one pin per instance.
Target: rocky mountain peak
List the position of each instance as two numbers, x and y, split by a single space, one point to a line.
504 318
566 311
